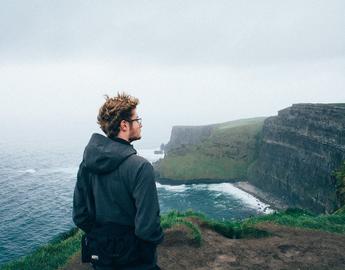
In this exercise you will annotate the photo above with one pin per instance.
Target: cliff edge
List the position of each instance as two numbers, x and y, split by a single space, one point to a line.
300 150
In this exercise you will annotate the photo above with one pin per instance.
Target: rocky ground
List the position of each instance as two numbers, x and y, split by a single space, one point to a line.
275 202
287 248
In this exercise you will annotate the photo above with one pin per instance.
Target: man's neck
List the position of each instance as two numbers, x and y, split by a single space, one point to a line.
120 140
123 137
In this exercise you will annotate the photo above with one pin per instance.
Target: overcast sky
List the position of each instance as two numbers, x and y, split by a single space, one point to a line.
189 62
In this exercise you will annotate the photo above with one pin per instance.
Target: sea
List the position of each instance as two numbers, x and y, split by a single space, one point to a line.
36 191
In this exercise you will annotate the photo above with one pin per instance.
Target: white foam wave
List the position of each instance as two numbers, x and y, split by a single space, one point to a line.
68 170
29 171
247 198
200 186
179 188
54 170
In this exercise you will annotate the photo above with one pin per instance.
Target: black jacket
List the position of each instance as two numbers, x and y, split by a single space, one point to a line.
123 189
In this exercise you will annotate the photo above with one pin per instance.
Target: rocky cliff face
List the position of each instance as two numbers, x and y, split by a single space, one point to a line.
300 149
188 135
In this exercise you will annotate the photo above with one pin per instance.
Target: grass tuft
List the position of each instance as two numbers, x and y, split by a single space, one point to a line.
177 218
51 256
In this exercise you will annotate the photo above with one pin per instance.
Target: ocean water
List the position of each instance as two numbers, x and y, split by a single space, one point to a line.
36 191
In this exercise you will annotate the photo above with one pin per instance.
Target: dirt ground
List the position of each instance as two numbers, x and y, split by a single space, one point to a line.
287 248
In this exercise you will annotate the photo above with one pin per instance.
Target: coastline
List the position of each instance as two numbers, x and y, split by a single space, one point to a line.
265 197
274 202
176 182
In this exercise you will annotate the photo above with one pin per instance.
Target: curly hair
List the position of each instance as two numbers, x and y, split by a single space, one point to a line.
113 111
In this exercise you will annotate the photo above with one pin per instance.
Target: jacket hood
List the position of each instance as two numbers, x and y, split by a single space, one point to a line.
103 155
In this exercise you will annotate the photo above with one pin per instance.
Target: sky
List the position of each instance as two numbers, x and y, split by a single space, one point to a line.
189 62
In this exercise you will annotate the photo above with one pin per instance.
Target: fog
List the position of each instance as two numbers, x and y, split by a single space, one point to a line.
189 62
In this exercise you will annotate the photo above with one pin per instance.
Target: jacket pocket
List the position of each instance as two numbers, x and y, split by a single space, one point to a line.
113 250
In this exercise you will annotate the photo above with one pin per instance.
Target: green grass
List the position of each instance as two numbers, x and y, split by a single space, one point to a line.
58 251
230 229
246 228
195 165
226 154
340 176
175 218
241 122
51 256
299 218
340 210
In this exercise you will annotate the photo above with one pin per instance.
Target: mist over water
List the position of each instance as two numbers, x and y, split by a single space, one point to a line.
37 183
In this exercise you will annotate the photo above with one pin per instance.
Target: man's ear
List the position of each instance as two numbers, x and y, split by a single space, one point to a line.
123 125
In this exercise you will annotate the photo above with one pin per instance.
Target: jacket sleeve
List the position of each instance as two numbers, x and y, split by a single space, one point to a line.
147 219
83 210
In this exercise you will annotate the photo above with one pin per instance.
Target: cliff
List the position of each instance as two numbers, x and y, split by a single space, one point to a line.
188 135
299 151
293 156
219 152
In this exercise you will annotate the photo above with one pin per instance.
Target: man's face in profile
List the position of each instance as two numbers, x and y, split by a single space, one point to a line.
135 127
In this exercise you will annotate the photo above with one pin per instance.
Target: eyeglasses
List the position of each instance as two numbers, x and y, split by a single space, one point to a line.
139 120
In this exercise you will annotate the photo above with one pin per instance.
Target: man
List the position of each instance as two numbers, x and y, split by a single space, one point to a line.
115 199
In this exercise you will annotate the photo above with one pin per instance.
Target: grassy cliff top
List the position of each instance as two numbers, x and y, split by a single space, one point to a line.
240 122
225 154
